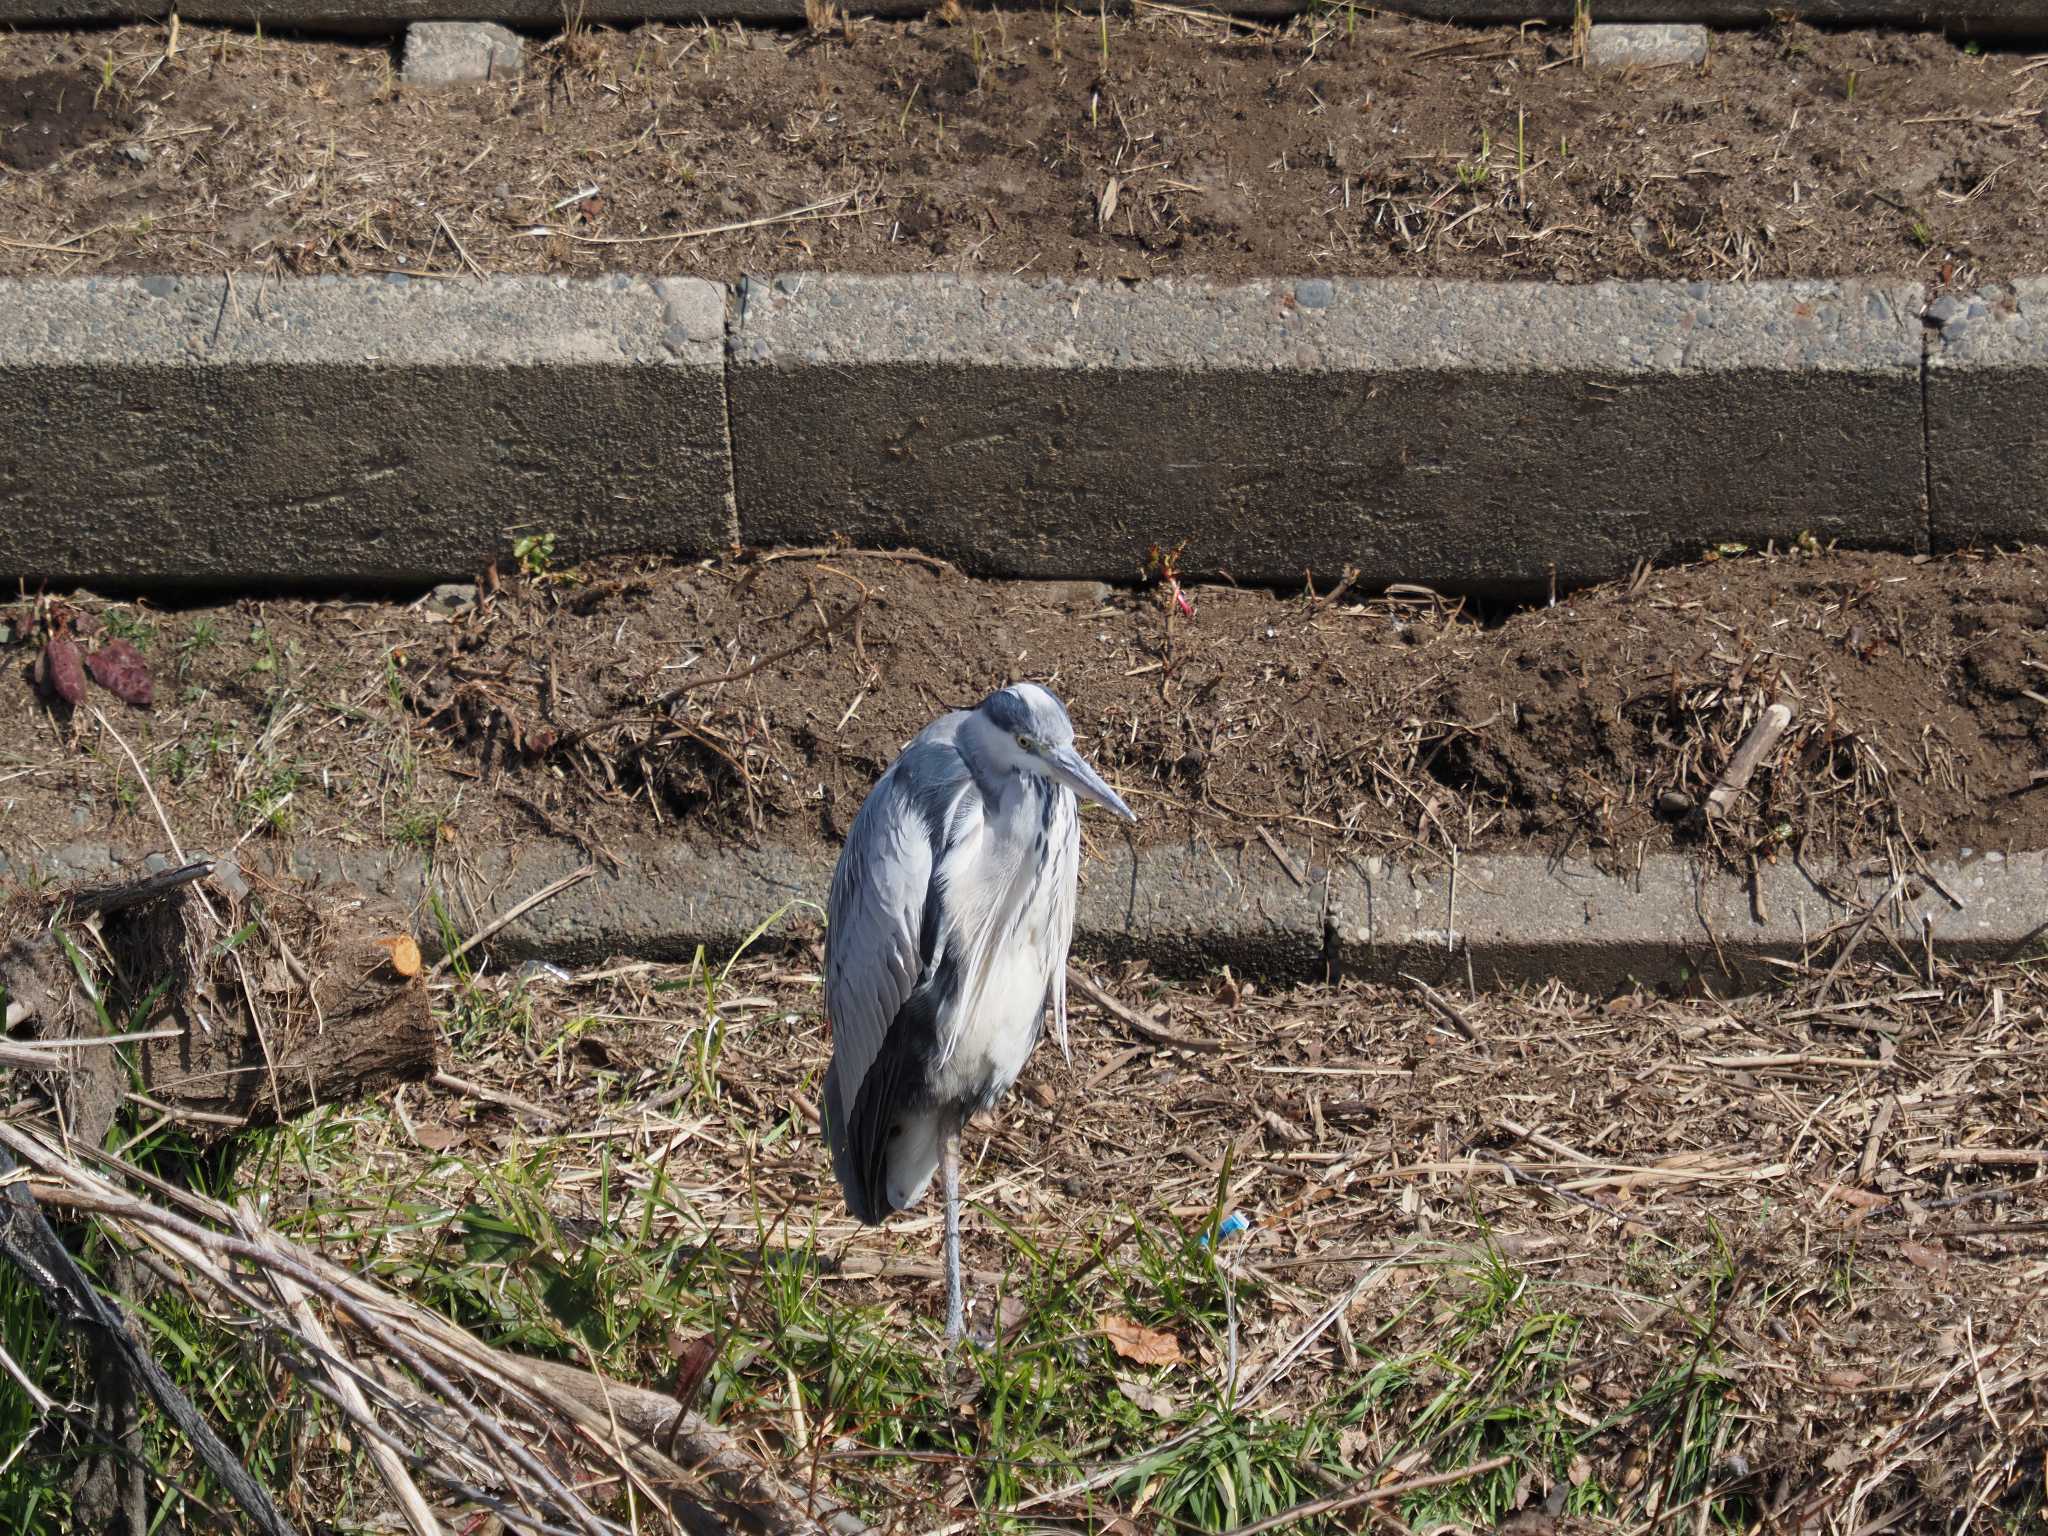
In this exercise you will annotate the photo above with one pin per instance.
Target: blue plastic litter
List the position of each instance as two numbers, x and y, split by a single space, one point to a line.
1233 1224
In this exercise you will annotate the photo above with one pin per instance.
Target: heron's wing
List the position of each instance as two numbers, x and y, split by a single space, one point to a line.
884 935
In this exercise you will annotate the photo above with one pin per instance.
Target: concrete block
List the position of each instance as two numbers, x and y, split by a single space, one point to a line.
1509 920
1519 918
2025 18
1468 435
1987 416
441 53
200 433
1618 45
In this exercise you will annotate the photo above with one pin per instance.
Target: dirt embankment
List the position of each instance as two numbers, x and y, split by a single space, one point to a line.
1164 145
760 701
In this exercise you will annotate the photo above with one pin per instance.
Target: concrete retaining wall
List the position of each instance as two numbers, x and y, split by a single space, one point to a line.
1987 416
199 433
1988 17
1466 437
1504 920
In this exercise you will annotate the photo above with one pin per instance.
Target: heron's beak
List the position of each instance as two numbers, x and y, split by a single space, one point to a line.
1072 770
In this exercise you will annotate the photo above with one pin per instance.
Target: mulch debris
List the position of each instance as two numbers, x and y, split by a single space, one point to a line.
759 700
1829 1199
1157 143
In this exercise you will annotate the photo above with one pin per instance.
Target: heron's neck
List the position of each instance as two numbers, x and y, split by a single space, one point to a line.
1025 807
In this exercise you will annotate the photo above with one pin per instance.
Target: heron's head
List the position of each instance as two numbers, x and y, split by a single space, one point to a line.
1026 730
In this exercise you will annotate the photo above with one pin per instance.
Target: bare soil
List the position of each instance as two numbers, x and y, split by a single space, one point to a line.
1042 143
759 700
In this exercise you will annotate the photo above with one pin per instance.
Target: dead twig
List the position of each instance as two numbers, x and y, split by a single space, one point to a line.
28 1241
1447 1010
512 915
1379 1495
1755 746
1135 1022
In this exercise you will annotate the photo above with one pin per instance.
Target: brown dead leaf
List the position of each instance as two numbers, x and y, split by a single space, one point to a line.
1145 1346
1923 1256
694 1358
438 1138
1159 1404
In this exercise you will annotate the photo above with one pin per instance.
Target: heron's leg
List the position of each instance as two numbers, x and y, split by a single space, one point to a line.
949 1173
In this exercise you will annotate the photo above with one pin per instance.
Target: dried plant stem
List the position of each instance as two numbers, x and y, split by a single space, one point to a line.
1754 748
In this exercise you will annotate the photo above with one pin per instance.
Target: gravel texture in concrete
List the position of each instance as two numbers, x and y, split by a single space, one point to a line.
439 53
1619 45
196 433
1987 416
1470 436
1499 921
1988 17
178 434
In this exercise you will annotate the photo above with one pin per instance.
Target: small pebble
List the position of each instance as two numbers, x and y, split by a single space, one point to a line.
452 597
441 53
1616 45
227 878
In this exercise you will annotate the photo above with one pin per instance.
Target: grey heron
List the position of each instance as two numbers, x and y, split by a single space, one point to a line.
947 928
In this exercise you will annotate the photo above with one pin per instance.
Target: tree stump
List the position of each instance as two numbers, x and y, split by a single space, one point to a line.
263 1002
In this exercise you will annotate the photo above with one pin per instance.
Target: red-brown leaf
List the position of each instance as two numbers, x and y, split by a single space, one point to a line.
694 1358
63 673
1134 1341
118 667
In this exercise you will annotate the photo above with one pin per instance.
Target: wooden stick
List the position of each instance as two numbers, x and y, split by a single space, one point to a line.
1761 738
389 1463
1862 927
1449 1011
1866 1167
1569 1153
1360 1496
512 915
105 900
1988 1157
1132 1020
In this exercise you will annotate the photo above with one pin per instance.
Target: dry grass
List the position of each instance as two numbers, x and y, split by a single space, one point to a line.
1770 1263
1342 142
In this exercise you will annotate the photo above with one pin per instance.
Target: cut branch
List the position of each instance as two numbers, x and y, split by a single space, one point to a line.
1743 765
